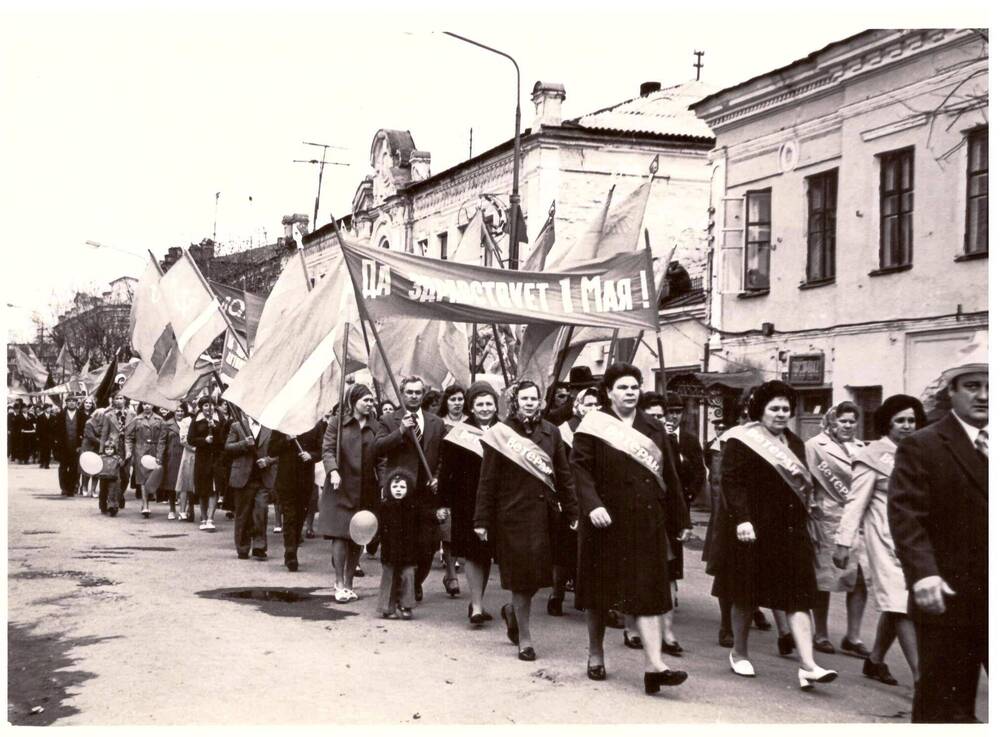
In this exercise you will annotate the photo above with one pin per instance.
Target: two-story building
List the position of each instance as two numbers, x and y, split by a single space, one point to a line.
850 217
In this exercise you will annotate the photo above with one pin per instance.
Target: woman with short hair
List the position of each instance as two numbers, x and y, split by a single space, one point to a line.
524 485
899 416
829 456
765 538
211 469
630 503
451 409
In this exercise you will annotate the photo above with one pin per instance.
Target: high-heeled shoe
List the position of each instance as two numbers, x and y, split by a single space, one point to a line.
653 681
786 643
451 587
507 614
808 678
760 621
633 642
476 619
554 607
741 667
878 671
596 672
527 653
672 648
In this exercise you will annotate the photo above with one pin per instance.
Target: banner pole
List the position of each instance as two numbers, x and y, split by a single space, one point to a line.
225 317
385 359
503 366
343 389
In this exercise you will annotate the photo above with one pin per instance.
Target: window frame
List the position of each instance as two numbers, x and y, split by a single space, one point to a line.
896 159
827 232
979 134
442 239
748 196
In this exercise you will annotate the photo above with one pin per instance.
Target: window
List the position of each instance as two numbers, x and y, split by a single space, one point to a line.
758 240
422 245
977 193
896 197
868 399
822 230
443 245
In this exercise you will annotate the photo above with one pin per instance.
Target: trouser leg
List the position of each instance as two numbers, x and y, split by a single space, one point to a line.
259 538
949 661
243 521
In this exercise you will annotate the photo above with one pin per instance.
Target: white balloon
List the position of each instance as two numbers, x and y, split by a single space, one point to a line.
149 463
319 474
91 463
363 527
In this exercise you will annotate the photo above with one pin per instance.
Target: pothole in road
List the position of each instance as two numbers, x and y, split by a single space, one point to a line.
282 602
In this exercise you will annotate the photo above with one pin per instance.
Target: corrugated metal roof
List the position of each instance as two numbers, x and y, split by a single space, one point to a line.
665 112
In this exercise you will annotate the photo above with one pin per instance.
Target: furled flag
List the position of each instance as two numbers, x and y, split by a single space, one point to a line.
30 368
64 363
193 310
543 244
293 377
102 394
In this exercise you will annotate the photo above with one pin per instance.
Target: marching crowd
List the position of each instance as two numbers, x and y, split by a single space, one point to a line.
585 489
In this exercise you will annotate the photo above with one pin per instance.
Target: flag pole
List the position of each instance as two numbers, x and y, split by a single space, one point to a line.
208 289
343 389
503 366
363 309
659 339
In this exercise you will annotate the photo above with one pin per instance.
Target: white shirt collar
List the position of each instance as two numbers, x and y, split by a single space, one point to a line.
420 418
970 430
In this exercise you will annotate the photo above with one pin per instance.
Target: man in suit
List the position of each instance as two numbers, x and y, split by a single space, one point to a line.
251 477
687 449
939 518
296 482
67 437
115 441
396 436
45 427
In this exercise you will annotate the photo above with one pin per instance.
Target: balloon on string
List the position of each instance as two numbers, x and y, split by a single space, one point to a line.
319 474
91 463
364 525
149 463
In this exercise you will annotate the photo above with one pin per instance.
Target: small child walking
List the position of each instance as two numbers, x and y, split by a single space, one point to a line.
400 518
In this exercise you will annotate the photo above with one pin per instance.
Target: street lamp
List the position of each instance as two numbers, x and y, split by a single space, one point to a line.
515 197
99 245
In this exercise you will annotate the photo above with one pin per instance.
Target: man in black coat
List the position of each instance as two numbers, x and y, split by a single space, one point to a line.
394 448
295 482
44 427
687 450
939 518
67 437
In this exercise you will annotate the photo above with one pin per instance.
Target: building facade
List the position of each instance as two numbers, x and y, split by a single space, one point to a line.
849 229
567 165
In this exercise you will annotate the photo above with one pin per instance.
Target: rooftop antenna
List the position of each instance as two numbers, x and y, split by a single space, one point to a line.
698 65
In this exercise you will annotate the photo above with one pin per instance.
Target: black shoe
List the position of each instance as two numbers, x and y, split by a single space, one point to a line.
671 648
824 646
404 613
451 587
668 677
570 586
555 606
476 619
857 649
292 564
358 572
113 512
487 616
259 554
418 592
527 654
786 644
760 621
230 515
507 615
879 672
596 672
242 555
633 642
614 619
725 638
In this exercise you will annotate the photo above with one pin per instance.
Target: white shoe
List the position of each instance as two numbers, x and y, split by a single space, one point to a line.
341 596
210 525
95 494
277 528
203 525
808 678
171 515
742 667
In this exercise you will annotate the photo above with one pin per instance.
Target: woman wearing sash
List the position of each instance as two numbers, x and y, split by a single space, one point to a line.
630 502
768 553
829 456
565 542
525 484
458 480
899 416
451 409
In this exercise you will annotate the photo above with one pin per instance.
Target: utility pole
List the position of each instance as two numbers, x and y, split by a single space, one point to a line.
698 65
322 164
215 219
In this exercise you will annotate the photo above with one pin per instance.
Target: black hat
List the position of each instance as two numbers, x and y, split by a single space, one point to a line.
673 399
581 377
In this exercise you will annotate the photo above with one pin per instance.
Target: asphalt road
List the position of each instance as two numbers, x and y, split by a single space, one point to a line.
133 621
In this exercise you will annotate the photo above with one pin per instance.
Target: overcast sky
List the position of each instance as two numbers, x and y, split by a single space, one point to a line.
119 126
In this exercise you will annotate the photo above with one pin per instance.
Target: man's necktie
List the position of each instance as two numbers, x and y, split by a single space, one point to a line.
983 443
416 428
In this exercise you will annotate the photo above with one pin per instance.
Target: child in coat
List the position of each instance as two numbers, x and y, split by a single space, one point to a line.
399 516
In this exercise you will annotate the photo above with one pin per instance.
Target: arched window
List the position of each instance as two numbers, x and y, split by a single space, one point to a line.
384 243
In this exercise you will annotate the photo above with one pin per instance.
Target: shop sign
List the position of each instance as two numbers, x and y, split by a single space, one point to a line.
806 369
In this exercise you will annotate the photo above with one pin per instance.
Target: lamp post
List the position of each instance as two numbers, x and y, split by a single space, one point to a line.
515 197
99 245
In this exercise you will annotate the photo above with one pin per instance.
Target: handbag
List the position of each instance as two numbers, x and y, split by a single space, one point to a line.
109 467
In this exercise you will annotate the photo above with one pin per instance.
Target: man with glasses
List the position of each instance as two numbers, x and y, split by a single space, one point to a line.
396 437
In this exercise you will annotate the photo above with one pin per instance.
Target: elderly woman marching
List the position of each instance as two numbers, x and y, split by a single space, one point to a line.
524 485
146 437
630 500
765 540
899 416
829 456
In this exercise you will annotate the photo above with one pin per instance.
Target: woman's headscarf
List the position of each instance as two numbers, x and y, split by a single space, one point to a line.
355 394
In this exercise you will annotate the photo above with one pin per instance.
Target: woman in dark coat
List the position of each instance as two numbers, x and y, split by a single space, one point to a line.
350 484
765 545
458 482
173 449
627 513
518 510
211 467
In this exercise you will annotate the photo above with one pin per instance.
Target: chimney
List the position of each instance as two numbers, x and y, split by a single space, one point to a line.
288 222
548 98
648 88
